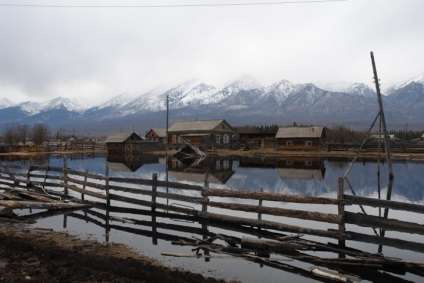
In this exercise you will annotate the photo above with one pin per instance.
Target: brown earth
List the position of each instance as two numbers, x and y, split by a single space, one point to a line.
42 255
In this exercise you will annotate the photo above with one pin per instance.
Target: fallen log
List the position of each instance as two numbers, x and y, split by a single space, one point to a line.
40 205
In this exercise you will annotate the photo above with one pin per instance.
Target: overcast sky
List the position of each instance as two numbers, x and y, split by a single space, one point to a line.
100 52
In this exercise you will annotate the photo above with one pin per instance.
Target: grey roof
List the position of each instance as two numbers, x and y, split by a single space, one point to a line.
199 126
160 132
300 132
120 137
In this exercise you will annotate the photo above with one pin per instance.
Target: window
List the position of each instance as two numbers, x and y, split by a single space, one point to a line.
218 139
180 139
225 139
289 143
308 143
289 162
308 163
226 164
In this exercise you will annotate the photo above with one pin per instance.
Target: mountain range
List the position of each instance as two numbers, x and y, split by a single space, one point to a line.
243 102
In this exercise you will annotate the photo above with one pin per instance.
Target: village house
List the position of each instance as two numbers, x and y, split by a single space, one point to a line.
419 141
156 134
254 139
300 138
128 143
207 134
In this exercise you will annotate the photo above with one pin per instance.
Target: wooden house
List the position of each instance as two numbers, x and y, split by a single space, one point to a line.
206 134
128 143
419 141
255 139
156 134
300 138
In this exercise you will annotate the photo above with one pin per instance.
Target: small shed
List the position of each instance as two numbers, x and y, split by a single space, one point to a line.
300 138
202 133
122 142
128 143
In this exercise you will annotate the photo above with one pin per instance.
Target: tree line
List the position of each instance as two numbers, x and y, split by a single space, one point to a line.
23 133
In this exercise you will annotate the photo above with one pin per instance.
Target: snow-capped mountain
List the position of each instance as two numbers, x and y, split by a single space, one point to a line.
356 88
33 108
5 103
241 102
418 79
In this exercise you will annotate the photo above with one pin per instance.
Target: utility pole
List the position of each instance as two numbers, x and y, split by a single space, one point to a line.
380 104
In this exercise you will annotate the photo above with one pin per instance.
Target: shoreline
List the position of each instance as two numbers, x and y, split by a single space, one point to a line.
254 153
44 255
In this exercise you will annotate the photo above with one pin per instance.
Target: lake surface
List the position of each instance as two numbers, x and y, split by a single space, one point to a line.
306 177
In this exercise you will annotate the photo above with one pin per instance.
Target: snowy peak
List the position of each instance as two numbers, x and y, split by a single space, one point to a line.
33 108
200 94
117 101
5 103
359 89
418 79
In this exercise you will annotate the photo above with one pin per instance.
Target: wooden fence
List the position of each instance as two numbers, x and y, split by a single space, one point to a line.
373 147
256 214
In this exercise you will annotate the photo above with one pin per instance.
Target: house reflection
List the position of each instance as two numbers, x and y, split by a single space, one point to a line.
129 163
188 169
309 168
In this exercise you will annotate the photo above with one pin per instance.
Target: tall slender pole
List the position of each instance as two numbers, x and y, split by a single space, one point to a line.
380 104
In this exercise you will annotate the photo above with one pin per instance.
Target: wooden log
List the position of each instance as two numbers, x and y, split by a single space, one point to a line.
34 196
86 192
273 246
380 222
272 196
40 205
307 215
385 203
267 224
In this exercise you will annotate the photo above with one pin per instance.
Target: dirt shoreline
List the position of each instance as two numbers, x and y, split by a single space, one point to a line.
43 255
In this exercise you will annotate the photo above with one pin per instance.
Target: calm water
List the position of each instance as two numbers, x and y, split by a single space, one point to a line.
309 177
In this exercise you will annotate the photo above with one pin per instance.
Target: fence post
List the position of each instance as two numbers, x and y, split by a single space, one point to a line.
154 195
65 168
204 209
107 203
342 227
28 176
85 183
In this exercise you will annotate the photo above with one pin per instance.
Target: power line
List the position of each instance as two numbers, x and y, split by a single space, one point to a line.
170 5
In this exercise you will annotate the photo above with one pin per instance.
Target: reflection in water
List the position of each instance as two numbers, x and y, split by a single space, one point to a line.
219 169
142 224
130 163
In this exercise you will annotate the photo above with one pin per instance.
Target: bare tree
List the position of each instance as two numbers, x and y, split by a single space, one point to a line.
40 133
22 133
9 134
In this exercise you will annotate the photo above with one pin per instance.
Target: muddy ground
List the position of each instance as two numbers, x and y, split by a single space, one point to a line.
42 255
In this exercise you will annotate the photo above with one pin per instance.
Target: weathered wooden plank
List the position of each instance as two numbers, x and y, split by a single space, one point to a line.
271 196
83 182
41 205
293 213
380 222
267 224
86 192
385 203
